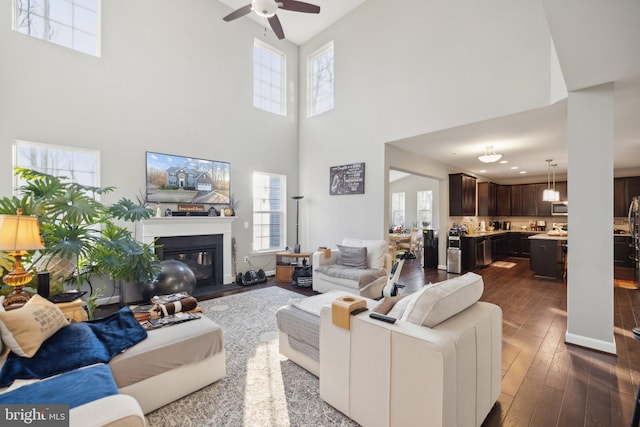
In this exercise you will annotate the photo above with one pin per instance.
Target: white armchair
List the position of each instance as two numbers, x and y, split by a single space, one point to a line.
329 274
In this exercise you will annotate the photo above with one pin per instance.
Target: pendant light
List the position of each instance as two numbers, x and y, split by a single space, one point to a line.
556 193
489 155
550 194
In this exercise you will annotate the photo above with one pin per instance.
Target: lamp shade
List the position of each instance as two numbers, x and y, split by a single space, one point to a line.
19 233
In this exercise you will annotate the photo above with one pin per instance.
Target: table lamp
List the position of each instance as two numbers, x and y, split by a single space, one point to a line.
18 234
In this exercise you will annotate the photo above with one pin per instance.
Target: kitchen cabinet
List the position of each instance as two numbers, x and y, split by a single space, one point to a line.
623 191
487 199
622 251
529 200
476 252
516 200
499 247
546 259
462 195
504 200
518 244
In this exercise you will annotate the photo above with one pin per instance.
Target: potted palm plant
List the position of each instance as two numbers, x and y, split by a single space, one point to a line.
80 233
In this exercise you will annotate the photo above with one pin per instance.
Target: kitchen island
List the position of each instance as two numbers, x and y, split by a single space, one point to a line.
548 255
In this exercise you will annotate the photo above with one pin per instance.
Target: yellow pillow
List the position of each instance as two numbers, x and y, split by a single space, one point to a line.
24 329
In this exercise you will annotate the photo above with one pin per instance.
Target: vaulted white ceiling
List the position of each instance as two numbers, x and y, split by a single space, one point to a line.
596 42
300 27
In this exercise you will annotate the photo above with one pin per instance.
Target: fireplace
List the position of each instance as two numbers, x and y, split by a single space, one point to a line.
191 229
203 254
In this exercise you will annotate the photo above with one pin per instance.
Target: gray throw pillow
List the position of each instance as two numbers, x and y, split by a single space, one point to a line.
349 256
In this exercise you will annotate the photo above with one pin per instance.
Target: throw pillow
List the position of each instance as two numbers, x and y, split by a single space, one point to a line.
435 303
400 307
352 257
387 304
376 250
24 329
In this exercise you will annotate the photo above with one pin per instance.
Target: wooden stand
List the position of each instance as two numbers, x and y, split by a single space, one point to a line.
287 261
73 310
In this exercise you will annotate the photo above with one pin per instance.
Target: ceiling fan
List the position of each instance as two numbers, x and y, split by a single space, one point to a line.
268 8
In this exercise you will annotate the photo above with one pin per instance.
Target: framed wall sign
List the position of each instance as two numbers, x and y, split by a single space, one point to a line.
346 179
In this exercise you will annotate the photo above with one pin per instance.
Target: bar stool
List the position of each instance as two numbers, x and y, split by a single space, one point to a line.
635 421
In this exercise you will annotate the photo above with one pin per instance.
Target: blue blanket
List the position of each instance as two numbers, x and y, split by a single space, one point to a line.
73 388
76 345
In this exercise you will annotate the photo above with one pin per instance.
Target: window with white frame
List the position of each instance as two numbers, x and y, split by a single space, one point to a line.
269 228
397 209
320 81
425 207
71 23
79 165
269 77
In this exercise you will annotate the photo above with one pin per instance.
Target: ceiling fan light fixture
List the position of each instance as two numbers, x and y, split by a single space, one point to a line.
264 8
489 156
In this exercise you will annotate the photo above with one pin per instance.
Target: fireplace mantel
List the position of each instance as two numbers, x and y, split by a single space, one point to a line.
149 229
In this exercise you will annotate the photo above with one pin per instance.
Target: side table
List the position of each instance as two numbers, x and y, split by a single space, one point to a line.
73 310
287 261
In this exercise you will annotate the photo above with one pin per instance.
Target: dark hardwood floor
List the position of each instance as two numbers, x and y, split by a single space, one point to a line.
545 382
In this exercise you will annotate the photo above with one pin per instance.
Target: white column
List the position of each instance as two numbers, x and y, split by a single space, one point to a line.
590 136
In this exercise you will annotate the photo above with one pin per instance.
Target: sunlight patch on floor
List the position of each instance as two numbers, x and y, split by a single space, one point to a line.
265 402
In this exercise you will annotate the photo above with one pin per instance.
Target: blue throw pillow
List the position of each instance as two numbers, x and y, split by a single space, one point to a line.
73 388
77 345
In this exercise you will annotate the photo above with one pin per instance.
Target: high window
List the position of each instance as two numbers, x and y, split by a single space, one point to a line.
78 165
397 209
269 67
71 23
425 207
269 204
320 81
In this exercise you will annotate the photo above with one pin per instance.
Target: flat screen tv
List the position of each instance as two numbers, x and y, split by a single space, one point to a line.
178 179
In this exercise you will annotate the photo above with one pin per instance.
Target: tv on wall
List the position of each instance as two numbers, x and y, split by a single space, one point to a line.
178 179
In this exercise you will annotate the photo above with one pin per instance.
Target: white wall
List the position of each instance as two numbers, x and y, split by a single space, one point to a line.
400 74
172 78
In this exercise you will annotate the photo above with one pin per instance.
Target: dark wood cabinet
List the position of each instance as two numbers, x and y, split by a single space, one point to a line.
542 208
620 205
487 199
518 244
545 257
499 247
504 200
622 251
529 200
516 200
462 195
624 189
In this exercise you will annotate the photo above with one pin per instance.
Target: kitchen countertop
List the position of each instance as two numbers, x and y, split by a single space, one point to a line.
546 236
498 232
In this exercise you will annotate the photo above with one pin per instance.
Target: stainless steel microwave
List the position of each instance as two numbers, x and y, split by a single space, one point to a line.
559 208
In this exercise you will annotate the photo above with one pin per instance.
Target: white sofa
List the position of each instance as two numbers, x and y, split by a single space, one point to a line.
408 374
368 282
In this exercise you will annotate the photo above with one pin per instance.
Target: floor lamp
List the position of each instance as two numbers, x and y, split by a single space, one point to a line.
296 247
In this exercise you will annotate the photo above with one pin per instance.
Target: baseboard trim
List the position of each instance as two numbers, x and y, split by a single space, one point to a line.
592 343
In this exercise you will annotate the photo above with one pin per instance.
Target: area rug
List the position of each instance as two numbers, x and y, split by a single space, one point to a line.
262 388
503 264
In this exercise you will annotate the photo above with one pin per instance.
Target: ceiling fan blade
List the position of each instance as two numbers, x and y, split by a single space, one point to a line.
276 26
299 6
238 13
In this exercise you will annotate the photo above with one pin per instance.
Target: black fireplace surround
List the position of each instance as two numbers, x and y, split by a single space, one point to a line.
203 254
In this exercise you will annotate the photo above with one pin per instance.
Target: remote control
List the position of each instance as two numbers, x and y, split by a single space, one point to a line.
382 317
359 310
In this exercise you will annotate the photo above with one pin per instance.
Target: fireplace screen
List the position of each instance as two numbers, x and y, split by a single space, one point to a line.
202 254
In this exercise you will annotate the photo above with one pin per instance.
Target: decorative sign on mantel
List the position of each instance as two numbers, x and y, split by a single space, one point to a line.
346 179
190 208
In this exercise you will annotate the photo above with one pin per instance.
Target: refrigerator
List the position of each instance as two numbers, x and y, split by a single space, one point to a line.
634 230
